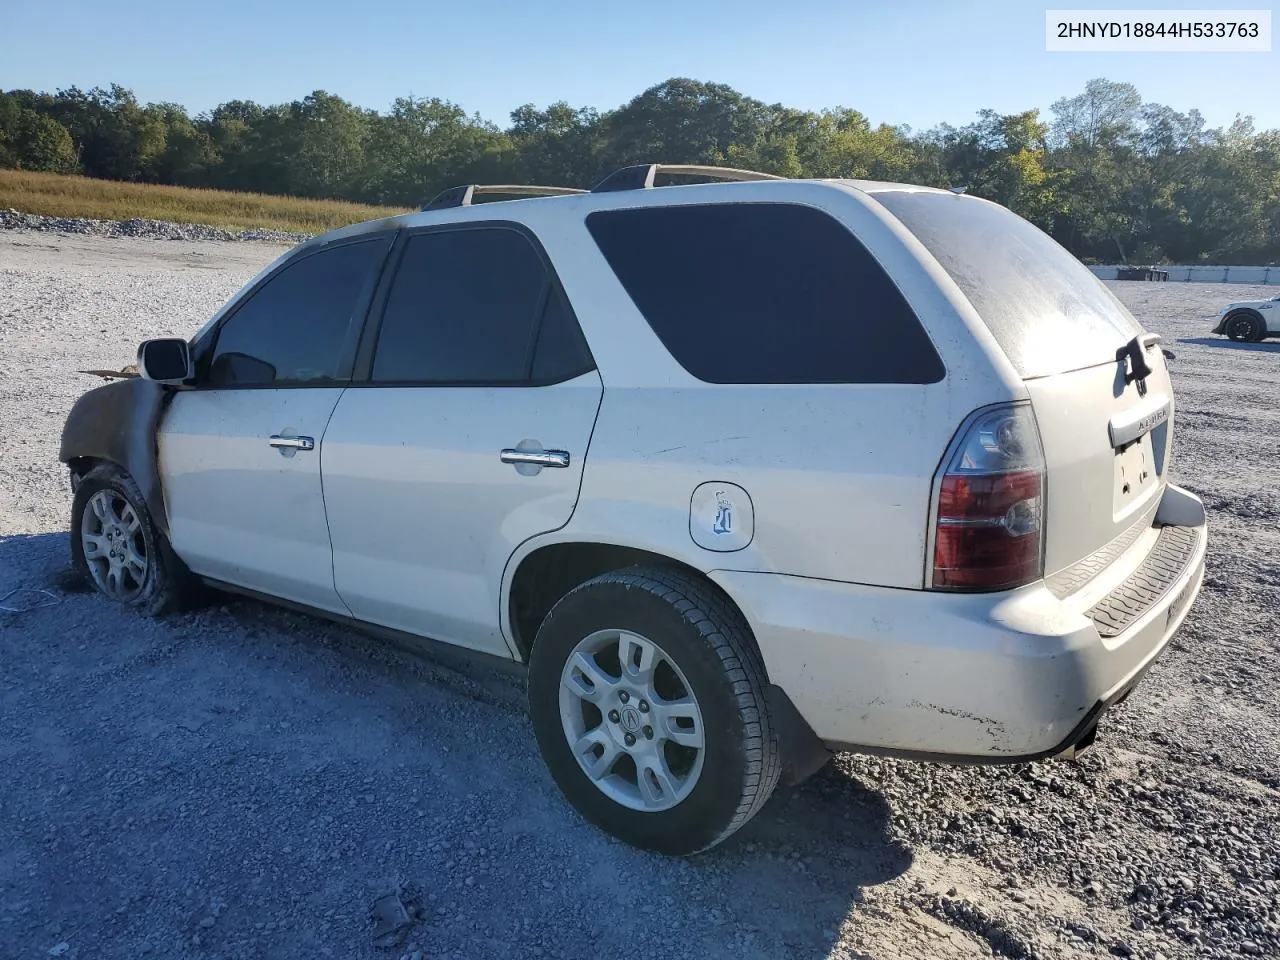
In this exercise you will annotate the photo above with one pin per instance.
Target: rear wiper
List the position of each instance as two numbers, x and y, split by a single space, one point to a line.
1133 352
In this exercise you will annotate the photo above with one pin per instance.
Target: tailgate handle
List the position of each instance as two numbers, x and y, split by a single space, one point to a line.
1128 426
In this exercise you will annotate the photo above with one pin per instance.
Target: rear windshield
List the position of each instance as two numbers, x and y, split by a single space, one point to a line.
1047 311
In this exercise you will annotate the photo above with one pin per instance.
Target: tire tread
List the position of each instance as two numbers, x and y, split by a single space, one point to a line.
167 589
724 629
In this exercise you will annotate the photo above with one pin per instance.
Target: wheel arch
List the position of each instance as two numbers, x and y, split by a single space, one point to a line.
544 571
1251 312
117 423
547 570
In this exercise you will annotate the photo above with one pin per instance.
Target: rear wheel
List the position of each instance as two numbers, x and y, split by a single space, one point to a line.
648 701
1245 327
115 544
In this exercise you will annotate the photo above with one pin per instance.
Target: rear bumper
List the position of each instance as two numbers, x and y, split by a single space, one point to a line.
993 678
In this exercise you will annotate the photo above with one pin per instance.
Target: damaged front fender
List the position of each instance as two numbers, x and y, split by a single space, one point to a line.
118 423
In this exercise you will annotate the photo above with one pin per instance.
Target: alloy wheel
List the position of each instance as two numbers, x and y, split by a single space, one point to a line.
631 720
115 549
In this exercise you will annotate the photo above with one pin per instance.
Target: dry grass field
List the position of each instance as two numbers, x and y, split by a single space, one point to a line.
56 195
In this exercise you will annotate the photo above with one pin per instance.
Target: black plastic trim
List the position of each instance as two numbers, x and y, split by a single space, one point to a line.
439 650
1148 585
636 177
453 197
803 753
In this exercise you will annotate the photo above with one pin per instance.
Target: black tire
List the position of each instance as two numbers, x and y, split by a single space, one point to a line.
163 587
1245 326
701 632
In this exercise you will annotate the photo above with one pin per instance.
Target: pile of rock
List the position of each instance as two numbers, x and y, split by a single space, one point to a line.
140 228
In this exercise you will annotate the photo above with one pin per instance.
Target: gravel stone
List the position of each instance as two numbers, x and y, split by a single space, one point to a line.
218 761
139 228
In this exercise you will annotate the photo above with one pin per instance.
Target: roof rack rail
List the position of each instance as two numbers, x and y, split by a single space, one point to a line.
641 176
462 196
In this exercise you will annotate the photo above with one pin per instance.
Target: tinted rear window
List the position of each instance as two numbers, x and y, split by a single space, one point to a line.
463 308
765 293
1047 311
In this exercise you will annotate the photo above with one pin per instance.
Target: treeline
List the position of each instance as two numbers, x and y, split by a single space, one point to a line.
1112 177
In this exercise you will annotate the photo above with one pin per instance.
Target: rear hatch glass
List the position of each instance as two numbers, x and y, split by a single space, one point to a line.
1047 311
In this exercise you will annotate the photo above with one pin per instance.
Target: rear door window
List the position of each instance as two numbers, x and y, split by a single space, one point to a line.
476 307
765 293
1046 309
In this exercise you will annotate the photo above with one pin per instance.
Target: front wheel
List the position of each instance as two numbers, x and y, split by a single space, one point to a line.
116 546
647 694
1246 328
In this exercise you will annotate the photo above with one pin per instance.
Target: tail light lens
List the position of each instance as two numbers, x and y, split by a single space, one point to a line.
991 505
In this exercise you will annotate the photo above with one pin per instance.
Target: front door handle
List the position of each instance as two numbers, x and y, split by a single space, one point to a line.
539 458
292 443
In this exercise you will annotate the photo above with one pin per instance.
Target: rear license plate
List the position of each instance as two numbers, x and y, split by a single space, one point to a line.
1135 473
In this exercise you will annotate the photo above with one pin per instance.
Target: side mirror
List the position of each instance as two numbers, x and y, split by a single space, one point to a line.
165 361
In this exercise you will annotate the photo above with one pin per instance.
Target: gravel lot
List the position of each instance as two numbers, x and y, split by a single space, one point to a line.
242 782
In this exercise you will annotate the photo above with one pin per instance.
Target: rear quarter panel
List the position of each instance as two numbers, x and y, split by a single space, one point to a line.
839 476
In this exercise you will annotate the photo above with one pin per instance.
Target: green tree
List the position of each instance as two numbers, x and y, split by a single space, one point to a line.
324 136
116 139
187 155
999 157
1112 177
1094 134
560 145
682 121
30 140
230 128
426 145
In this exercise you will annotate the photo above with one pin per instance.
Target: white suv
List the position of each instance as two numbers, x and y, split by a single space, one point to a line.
744 472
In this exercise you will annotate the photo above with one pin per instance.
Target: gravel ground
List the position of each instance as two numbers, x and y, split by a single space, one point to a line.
242 782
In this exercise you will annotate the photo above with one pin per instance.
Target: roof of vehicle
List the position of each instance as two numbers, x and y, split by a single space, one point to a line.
456 203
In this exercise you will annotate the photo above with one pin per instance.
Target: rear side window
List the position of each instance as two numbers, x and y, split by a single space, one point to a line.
1045 308
476 306
561 352
765 293
293 329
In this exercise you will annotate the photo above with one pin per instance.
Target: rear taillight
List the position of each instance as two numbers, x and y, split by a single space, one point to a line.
991 505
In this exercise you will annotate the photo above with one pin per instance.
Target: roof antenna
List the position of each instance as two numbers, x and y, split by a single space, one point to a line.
957 190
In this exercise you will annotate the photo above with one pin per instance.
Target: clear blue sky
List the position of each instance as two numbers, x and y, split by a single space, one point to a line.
919 62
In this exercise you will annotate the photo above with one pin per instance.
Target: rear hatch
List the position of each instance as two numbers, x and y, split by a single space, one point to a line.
1107 436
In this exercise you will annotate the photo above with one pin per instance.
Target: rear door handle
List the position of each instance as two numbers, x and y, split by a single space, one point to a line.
292 443
539 458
